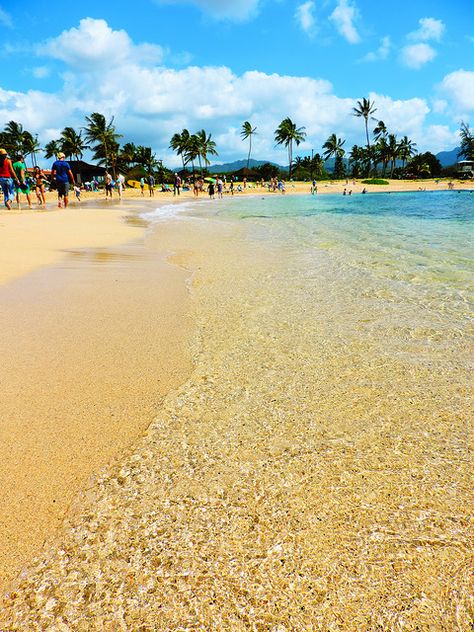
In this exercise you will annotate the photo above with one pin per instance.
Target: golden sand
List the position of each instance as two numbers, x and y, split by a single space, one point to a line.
311 474
89 349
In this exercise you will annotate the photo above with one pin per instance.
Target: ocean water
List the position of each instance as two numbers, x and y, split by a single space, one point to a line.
314 471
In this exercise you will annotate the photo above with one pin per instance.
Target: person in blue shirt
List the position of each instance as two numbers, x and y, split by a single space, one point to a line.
62 174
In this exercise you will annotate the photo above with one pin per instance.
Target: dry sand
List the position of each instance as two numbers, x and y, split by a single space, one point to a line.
93 338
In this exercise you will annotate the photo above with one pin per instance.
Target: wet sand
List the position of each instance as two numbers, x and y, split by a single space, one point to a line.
90 347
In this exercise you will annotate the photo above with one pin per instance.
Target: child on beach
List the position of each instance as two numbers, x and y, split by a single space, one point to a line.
77 191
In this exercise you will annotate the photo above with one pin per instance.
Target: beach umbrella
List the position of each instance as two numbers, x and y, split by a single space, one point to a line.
213 180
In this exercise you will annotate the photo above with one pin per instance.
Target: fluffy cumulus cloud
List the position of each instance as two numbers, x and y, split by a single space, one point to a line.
93 44
457 89
305 17
150 102
417 55
236 10
343 17
430 29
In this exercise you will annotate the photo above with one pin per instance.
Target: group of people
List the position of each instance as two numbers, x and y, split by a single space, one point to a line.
15 182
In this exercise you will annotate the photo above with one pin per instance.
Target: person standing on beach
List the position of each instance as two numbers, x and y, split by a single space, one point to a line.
177 184
119 182
61 172
19 168
39 186
142 185
7 178
108 184
151 184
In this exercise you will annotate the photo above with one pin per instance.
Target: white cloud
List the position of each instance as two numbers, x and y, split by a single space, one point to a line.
150 103
417 55
343 17
5 18
236 10
441 138
457 88
95 44
382 51
304 16
430 29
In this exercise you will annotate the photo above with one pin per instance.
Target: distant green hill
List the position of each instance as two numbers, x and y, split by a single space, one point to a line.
227 167
448 158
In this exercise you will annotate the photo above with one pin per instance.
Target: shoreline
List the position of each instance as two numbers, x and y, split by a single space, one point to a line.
97 330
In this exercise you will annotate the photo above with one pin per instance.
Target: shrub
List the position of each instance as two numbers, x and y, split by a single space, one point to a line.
375 181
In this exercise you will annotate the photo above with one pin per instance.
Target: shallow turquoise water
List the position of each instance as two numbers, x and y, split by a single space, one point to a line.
421 238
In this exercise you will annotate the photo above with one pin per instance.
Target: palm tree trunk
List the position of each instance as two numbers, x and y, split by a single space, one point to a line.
250 151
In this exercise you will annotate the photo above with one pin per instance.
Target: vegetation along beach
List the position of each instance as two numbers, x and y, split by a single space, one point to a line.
236 377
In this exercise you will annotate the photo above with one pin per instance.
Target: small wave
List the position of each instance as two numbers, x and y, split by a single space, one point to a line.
164 212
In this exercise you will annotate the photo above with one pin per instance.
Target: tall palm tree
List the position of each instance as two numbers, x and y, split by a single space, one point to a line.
393 151
406 149
286 134
206 146
364 110
179 143
72 144
52 148
193 151
31 145
104 139
334 149
247 132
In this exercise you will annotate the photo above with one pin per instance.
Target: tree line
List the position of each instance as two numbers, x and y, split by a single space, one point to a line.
379 156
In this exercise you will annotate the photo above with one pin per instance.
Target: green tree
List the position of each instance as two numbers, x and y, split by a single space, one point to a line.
72 144
180 144
207 147
406 150
103 138
52 148
334 149
466 150
145 157
365 109
286 134
247 132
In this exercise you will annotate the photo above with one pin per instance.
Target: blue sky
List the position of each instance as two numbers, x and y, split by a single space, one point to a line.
160 65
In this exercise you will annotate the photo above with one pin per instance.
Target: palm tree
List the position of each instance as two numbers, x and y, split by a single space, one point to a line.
179 143
126 156
393 151
15 137
364 110
406 150
146 158
380 131
334 148
52 148
467 142
30 146
193 151
206 146
72 144
104 139
247 132
286 134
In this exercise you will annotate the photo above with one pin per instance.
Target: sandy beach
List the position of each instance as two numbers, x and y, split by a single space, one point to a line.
98 328
177 451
